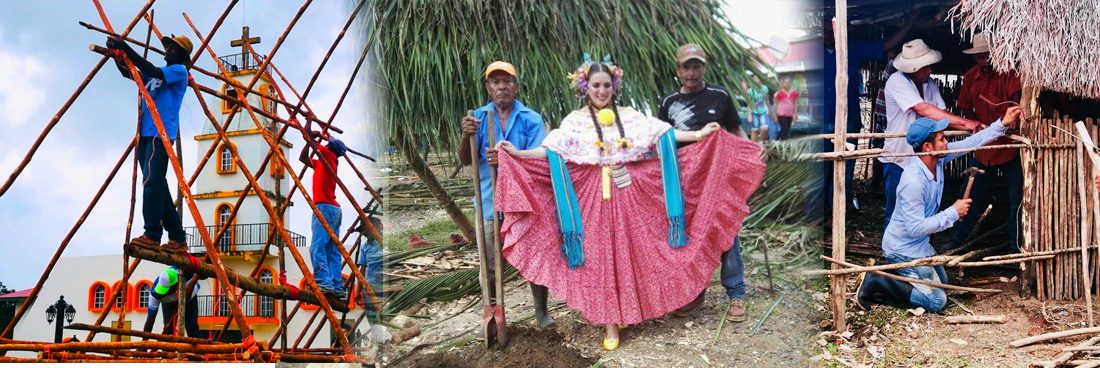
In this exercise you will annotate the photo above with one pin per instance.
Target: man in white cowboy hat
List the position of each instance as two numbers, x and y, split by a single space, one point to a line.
912 94
981 97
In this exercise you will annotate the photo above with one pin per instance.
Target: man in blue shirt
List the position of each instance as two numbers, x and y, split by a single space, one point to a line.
166 86
515 123
917 216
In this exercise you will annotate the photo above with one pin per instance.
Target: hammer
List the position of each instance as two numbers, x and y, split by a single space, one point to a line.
972 172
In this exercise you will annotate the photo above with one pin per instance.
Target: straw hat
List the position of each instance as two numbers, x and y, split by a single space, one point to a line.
914 55
981 45
182 41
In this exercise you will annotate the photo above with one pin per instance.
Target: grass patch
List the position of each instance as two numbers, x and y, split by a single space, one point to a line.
438 232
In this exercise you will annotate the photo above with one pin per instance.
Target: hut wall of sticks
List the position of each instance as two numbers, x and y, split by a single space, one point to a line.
1060 208
284 97
1059 215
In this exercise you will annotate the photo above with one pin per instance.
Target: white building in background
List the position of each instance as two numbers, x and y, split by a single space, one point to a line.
86 282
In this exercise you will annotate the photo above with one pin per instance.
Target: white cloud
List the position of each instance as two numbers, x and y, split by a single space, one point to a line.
23 81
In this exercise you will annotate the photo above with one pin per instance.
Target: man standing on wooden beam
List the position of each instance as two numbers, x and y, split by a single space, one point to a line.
912 94
517 124
917 216
982 97
323 253
166 86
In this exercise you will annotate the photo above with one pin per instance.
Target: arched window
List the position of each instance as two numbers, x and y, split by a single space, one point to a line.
231 93
267 303
144 292
121 303
100 296
97 296
225 160
223 212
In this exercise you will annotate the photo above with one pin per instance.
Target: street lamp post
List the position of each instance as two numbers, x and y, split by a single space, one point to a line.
61 311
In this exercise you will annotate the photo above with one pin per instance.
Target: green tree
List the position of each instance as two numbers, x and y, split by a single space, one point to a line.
431 53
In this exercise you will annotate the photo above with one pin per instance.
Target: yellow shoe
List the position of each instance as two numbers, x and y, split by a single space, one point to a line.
623 325
610 344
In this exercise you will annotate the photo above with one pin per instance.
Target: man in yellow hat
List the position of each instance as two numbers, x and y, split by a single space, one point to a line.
515 123
166 86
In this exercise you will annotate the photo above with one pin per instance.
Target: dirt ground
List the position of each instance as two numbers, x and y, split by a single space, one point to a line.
893 337
784 339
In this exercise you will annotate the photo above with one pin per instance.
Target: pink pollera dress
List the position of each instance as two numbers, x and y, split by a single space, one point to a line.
631 273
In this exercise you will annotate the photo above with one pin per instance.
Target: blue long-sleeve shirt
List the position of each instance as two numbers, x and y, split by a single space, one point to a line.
919 193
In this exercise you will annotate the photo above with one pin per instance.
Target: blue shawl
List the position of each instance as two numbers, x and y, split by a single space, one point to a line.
569 214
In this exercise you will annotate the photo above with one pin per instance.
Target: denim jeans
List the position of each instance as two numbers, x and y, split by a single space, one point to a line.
322 249
157 209
733 271
760 121
932 299
773 127
1014 184
190 317
891 175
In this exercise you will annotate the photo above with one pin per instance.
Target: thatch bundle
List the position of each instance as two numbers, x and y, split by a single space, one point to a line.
1052 44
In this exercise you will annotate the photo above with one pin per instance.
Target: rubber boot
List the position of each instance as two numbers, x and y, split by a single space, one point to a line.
540 294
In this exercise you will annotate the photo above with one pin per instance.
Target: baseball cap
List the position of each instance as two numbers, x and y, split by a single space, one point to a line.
920 130
690 51
500 66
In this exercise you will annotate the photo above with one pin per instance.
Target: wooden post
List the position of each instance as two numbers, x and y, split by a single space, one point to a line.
1084 233
838 283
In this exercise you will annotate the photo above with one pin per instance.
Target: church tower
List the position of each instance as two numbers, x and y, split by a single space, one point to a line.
221 181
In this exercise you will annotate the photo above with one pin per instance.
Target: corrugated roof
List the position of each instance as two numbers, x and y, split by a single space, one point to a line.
17 294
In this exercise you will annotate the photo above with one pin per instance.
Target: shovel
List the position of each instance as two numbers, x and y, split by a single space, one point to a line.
488 324
498 257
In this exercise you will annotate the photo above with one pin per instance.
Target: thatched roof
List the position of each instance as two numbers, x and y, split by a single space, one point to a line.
1053 44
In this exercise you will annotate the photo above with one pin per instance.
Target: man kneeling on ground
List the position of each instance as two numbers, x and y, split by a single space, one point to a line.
916 216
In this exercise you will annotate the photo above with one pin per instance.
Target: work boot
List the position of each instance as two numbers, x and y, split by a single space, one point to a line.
690 308
145 241
174 246
736 312
877 289
540 293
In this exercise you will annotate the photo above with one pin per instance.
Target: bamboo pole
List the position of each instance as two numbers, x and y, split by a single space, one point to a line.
914 280
929 261
125 345
1029 254
946 133
143 334
1084 235
243 282
1053 335
954 320
838 284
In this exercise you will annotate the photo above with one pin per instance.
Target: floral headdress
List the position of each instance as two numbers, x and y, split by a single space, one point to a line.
580 77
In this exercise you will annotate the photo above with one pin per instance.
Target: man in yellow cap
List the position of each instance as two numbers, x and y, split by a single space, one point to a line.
515 123
166 85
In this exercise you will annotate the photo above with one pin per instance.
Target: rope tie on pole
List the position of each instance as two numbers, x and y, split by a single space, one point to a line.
293 288
250 346
351 358
193 263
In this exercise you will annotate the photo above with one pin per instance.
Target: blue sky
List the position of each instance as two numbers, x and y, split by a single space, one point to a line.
43 57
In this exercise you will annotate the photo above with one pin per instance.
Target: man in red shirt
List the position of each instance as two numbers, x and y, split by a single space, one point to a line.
326 259
982 98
